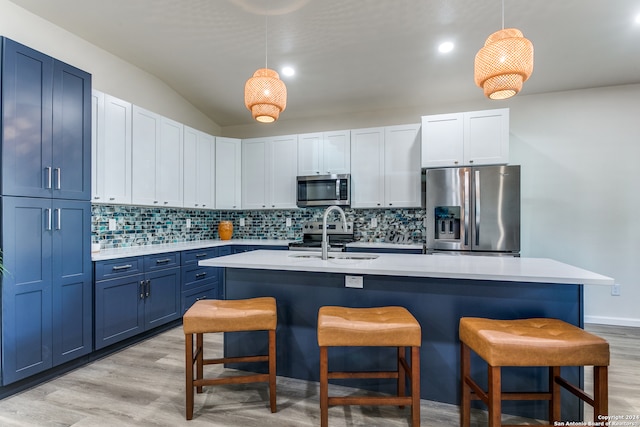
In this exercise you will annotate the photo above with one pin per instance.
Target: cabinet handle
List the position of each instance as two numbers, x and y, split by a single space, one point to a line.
201 298
155 201
141 289
96 198
112 198
59 219
58 178
48 168
163 261
201 275
203 254
166 203
48 219
148 294
455 162
121 267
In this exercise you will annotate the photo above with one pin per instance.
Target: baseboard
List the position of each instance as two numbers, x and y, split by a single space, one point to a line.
613 321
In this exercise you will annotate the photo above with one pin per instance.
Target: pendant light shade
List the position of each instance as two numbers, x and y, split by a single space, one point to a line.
265 95
504 63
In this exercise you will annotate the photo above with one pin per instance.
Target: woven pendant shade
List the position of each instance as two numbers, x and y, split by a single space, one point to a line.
265 95
504 63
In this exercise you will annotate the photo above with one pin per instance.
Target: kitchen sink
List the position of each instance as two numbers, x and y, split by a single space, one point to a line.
334 256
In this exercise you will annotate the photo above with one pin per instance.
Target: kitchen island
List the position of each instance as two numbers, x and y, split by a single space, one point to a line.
437 289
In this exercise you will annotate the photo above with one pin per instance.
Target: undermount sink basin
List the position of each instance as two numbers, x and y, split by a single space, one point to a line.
337 256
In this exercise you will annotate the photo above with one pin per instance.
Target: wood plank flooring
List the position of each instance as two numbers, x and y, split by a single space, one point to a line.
143 385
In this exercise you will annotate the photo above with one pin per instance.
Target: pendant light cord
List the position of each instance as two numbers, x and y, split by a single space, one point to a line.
503 14
266 39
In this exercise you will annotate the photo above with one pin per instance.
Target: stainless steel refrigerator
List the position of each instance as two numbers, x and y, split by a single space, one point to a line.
473 210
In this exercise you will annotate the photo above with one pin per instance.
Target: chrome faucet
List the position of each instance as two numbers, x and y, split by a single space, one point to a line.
325 243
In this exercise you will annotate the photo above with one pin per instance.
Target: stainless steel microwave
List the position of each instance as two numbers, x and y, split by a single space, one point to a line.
324 190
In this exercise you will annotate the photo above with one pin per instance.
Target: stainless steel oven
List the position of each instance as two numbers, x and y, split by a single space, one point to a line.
337 236
324 190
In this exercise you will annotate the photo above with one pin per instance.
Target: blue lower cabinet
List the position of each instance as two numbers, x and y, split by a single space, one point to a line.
190 297
129 301
46 294
200 282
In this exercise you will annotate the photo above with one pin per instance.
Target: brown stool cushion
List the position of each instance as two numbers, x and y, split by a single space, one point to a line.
254 314
533 342
378 326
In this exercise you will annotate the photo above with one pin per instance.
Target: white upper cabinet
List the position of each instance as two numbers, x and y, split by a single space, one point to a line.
199 173
465 139
111 149
323 153
157 172
269 169
385 167
228 173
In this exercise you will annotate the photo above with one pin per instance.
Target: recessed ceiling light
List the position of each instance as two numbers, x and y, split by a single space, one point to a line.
288 71
445 47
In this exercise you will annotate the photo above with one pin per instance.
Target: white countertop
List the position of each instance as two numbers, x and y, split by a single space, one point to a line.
130 251
537 270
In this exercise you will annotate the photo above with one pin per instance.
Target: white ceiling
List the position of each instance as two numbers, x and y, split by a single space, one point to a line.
351 56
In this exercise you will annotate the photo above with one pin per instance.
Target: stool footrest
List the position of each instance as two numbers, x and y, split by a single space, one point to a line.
240 379
479 394
239 359
370 400
361 375
574 390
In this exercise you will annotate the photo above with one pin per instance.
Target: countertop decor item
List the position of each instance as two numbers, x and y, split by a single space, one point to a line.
225 230
504 63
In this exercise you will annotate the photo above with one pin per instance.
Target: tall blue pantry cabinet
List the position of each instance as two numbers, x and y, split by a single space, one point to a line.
46 212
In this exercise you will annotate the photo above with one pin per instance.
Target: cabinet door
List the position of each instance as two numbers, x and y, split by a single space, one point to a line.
310 154
228 173
442 140
402 172
486 139
169 158
26 289
72 280
254 174
283 169
71 133
199 174
112 149
119 305
367 168
162 302
27 110
337 152
146 134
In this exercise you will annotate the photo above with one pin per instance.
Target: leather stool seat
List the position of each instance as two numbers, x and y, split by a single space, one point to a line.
210 316
530 342
370 327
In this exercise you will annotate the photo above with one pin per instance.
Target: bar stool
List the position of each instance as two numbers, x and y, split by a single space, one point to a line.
530 342
370 327
208 316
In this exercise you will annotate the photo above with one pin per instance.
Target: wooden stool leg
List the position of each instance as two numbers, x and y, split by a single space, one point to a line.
495 398
402 375
465 390
199 360
415 386
555 405
189 375
600 392
324 388
272 370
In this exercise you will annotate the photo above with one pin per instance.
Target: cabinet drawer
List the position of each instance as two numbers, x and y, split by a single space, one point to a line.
192 257
205 292
224 250
194 276
121 267
161 261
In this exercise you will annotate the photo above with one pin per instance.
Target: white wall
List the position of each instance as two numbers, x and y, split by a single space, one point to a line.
109 73
580 157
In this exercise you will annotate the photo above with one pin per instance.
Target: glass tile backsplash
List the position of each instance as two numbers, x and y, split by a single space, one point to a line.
135 225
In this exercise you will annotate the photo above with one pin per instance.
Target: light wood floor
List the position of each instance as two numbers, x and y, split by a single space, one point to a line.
144 386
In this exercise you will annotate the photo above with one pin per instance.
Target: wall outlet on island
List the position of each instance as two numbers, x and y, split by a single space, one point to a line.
615 290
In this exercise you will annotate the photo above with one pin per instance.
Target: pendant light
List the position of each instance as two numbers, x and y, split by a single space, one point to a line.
265 95
504 63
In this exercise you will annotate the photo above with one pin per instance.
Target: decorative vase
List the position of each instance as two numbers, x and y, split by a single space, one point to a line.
225 230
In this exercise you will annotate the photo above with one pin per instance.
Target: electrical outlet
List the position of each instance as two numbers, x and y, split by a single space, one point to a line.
374 222
112 224
188 222
241 222
615 290
288 222
353 282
